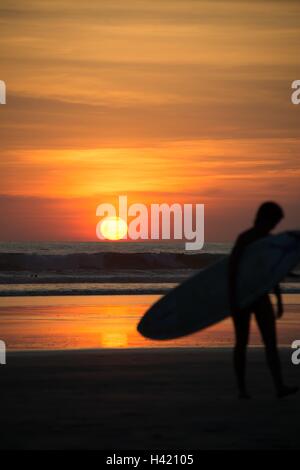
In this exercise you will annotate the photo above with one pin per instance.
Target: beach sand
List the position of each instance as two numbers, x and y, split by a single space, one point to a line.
143 399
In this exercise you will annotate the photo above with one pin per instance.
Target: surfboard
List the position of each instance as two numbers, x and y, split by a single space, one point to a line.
203 299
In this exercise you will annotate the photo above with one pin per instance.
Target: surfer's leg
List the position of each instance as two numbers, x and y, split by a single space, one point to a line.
265 318
241 326
266 321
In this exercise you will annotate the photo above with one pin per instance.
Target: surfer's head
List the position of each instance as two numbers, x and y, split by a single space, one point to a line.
268 216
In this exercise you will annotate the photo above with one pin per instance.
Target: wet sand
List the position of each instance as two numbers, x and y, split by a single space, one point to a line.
93 322
143 399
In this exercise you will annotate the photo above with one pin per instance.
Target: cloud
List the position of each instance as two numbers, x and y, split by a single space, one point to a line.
148 98
59 219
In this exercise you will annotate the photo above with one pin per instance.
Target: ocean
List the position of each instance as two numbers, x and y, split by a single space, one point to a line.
91 295
87 268
103 268
73 248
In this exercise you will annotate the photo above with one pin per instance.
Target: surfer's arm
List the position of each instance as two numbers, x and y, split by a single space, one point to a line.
277 292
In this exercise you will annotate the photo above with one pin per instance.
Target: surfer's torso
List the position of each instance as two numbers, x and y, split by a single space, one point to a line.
244 239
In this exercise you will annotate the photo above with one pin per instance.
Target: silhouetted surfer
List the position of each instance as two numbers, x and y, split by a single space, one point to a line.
268 216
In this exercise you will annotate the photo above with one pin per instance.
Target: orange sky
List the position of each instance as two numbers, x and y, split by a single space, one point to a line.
174 100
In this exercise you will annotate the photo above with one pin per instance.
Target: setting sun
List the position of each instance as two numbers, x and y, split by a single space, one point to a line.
113 228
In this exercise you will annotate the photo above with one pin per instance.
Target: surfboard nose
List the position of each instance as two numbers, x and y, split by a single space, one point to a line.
144 329
146 326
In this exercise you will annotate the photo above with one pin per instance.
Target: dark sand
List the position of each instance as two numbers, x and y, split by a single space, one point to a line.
141 399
